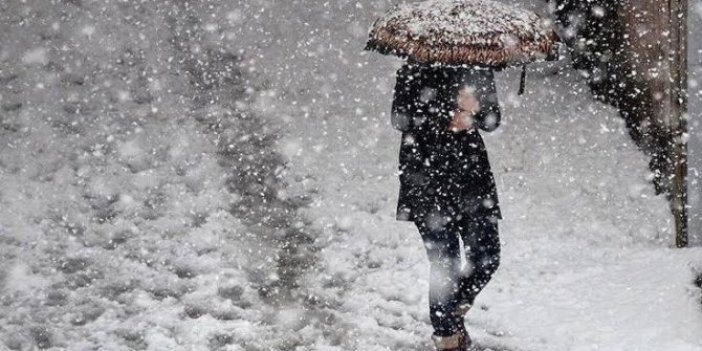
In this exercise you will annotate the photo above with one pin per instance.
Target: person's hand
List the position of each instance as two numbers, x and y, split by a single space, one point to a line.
467 101
468 106
462 120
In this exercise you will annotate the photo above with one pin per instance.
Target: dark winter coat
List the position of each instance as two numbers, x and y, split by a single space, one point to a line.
443 174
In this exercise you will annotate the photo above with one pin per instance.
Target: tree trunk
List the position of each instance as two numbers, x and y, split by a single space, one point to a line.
678 121
635 54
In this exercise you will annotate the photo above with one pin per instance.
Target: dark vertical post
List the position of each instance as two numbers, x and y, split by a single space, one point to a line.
677 125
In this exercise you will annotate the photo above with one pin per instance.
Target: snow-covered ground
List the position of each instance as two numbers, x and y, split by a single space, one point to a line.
131 214
142 203
588 263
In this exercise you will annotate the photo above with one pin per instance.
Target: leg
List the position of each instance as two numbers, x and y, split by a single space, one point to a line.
482 245
443 251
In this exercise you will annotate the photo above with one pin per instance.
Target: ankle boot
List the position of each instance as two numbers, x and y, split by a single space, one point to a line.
449 343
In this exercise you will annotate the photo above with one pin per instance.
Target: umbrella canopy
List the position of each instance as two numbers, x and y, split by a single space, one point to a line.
458 32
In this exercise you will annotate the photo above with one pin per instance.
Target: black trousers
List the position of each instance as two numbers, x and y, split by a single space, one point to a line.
449 285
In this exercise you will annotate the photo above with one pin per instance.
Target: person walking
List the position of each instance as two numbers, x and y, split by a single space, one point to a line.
446 186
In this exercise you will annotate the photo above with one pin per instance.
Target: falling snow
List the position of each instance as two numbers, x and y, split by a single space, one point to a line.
222 175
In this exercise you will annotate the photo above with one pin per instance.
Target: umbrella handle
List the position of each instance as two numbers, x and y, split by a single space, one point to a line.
522 81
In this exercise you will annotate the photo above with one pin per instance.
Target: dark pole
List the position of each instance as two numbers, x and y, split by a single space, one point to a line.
677 123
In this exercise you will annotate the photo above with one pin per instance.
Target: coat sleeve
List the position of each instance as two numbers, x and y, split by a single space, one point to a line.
483 81
401 115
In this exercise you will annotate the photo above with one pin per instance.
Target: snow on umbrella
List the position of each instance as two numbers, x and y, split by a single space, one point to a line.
458 32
